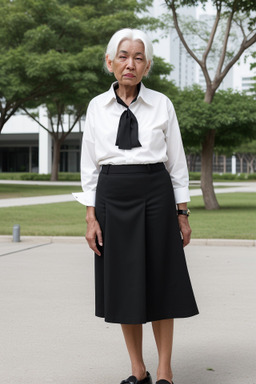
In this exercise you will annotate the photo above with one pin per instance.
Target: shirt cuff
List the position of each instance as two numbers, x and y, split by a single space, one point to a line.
181 195
85 198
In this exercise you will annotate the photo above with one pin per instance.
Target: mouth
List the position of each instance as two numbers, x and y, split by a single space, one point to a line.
129 75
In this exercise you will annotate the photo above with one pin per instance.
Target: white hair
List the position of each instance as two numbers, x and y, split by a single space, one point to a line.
129 34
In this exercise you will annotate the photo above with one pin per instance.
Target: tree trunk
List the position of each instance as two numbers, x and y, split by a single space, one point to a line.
2 121
240 156
210 200
56 158
209 196
224 164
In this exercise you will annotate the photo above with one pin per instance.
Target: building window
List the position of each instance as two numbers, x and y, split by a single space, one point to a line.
19 159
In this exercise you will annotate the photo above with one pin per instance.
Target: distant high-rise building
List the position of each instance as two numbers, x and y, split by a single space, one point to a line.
185 67
172 50
248 83
186 71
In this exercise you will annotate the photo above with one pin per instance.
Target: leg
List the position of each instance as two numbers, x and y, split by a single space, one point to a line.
133 338
163 332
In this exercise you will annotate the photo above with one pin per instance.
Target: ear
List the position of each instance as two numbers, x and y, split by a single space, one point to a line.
147 68
109 64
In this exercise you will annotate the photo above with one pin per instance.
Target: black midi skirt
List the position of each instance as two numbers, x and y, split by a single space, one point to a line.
141 275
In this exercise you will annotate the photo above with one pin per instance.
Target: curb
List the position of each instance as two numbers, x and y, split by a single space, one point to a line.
81 240
44 239
224 242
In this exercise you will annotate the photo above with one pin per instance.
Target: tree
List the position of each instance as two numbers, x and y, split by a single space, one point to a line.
42 42
239 18
232 115
22 23
52 54
247 152
56 116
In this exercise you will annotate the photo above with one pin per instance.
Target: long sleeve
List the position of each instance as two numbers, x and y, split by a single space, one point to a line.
89 166
176 163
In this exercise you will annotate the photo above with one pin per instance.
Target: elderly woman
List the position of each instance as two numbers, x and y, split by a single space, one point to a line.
135 183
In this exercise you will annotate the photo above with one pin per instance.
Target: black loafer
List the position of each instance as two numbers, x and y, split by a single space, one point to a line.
164 382
134 380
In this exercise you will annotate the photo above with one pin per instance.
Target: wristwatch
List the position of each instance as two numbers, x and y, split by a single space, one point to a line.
185 212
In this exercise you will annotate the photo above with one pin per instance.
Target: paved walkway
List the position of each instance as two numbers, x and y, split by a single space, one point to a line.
222 187
49 334
21 201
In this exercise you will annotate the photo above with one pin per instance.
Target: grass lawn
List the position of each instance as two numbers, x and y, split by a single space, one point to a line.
61 219
21 190
235 220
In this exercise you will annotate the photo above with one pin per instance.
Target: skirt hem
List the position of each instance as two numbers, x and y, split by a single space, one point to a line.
153 318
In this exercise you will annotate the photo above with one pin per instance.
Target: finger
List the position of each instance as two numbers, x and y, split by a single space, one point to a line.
93 246
186 240
99 237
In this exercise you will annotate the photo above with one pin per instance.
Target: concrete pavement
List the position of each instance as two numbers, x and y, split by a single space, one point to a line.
228 188
49 333
35 200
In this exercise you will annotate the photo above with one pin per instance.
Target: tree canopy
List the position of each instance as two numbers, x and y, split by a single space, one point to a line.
231 114
226 36
56 47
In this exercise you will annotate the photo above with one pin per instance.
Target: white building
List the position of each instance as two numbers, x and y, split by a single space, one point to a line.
27 147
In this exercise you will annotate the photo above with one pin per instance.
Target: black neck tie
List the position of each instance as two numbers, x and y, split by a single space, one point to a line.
127 134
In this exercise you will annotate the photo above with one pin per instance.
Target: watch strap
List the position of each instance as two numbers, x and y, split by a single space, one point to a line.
184 212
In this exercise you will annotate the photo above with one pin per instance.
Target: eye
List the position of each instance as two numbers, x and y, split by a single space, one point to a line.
139 59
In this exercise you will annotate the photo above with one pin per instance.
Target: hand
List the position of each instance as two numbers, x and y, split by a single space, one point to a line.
93 232
184 229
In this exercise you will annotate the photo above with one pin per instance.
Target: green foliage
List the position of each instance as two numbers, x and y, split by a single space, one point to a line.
225 176
52 50
193 114
234 115
158 77
63 176
231 114
248 147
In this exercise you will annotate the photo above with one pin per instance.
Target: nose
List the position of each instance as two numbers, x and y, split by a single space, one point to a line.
130 63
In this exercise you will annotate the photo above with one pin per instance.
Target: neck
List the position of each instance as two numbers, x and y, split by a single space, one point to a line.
127 93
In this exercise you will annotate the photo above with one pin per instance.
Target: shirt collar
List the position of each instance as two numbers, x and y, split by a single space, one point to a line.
144 94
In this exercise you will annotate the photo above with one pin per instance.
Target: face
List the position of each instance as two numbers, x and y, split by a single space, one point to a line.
130 64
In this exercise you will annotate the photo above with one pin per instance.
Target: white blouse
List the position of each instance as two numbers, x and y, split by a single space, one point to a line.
159 135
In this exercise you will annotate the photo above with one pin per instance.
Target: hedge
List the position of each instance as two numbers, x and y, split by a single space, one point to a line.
65 176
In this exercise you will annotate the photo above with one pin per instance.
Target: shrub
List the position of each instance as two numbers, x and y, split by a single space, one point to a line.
63 176
225 176
75 176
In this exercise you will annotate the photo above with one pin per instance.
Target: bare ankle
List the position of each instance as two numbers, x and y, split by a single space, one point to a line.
165 374
139 371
